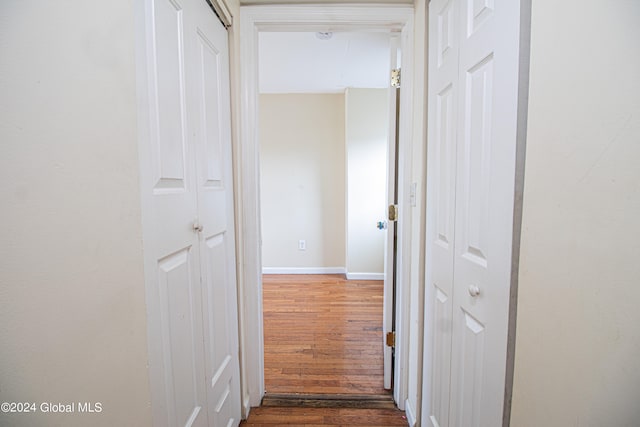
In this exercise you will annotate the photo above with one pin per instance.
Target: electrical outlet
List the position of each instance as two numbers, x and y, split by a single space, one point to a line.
302 245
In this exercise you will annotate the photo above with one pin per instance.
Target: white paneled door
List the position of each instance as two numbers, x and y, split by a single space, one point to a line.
473 84
211 119
188 216
443 101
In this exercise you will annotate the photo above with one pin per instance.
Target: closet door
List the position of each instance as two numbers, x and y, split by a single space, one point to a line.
169 187
473 104
210 110
489 34
185 156
441 186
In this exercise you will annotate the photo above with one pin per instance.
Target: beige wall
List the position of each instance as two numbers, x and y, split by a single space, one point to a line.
578 333
367 134
73 322
302 155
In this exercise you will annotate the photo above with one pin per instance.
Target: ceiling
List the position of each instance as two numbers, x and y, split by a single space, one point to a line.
260 2
295 62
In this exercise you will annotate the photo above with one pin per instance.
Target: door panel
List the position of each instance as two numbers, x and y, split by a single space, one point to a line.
210 108
173 194
181 320
222 366
470 372
477 12
475 164
212 130
212 122
444 148
177 306
188 214
441 158
474 57
487 124
443 26
168 127
440 381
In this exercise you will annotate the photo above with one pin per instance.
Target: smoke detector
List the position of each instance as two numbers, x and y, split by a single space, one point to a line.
324 35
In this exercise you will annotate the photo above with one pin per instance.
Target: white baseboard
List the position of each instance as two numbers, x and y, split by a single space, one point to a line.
410 414
303 270
365 276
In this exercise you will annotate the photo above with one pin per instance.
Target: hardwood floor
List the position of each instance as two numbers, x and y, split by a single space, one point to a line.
311 417
323 334
323 337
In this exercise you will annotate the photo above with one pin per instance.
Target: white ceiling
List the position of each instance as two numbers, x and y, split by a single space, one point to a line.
302 63
263 2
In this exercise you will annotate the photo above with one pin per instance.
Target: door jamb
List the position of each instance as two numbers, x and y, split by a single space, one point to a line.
364 17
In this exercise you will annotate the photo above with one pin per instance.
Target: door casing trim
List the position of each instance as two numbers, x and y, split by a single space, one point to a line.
255 19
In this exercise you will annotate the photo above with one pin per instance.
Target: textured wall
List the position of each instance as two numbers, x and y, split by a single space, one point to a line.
73 322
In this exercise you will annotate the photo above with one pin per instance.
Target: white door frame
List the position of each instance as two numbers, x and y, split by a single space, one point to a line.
310 18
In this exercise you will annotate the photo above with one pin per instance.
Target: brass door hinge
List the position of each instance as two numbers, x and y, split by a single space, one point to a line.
393 213
395 77
391 339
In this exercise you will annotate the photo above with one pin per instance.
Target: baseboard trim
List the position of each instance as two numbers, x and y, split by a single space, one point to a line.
365 276
303 270
409 413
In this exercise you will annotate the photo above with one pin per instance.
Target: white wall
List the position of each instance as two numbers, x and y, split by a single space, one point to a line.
367 131
578 339
71 282
264 2
302 155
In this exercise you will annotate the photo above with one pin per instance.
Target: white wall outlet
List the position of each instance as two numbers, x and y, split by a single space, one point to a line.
302 245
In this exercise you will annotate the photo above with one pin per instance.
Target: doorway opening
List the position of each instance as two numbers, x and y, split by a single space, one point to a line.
306 18
324 141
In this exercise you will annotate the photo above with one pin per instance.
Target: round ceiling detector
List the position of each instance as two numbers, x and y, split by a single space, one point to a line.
324 35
